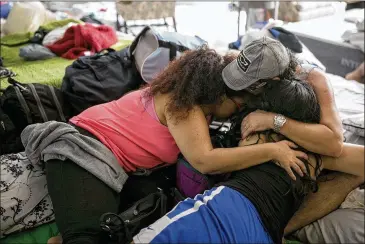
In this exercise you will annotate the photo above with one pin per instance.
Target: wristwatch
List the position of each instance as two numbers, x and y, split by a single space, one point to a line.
279 121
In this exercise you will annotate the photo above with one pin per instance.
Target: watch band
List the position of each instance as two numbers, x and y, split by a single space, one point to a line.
279 121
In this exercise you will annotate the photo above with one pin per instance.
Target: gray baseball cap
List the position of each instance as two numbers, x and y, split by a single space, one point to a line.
262 58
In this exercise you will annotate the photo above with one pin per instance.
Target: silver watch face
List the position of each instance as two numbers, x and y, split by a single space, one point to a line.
279 121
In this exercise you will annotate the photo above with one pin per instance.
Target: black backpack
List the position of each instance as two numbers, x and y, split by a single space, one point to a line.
10 140
26 104
101 78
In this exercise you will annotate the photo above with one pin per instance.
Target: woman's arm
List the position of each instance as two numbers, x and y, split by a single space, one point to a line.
325 138
351 161
192 137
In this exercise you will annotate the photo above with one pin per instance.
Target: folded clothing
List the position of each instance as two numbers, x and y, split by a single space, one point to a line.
35 52
81 38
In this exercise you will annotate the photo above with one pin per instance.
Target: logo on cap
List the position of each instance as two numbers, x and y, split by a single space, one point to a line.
243 62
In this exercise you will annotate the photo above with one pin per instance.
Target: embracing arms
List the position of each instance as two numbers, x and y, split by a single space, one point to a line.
192 137
325 138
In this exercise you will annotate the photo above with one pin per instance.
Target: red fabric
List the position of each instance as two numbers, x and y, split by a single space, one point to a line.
80 38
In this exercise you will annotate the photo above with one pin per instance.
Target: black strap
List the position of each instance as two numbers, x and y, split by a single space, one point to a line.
57 104
39 103
174 48
166 44
23 104
173 51
147 172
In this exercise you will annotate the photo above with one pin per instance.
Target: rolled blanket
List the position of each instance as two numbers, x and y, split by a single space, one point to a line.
81 38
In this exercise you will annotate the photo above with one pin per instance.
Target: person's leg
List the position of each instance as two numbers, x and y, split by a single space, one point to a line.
357 74
55 240
79 199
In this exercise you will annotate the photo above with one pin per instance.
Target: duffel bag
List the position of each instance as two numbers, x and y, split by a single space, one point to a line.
100 78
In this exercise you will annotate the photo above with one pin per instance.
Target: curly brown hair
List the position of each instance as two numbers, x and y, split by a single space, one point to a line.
193 79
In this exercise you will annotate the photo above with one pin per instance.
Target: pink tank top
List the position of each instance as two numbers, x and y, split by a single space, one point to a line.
130 128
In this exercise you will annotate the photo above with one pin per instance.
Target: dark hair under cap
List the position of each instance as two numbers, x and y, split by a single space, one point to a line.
293 98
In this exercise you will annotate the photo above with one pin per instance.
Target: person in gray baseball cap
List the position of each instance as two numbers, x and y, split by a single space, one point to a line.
262 58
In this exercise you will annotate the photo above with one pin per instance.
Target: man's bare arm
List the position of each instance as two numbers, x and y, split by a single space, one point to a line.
329 197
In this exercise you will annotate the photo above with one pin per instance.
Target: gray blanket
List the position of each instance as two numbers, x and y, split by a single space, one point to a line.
57 140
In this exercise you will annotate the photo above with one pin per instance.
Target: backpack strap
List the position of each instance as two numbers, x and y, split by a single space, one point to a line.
39 103
24 104
147 172
173 47
57 103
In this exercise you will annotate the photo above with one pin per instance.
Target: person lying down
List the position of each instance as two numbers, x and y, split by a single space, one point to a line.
254 205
